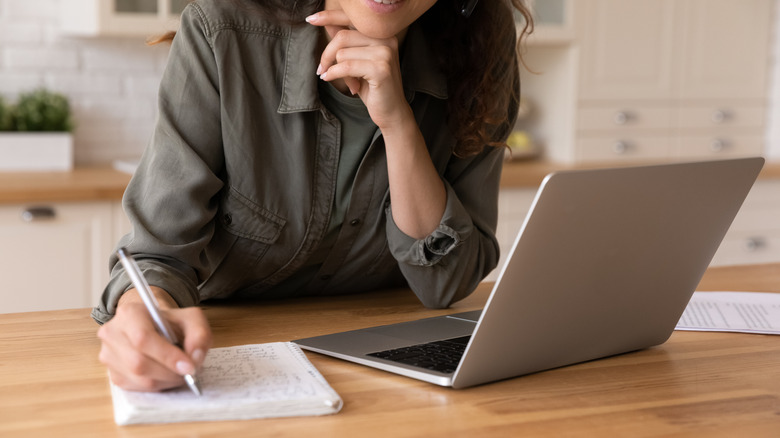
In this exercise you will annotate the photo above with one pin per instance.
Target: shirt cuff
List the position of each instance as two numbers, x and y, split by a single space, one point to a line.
156 275
454 228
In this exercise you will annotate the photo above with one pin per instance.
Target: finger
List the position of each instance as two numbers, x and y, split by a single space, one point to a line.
330 17
196 333
137 374
348 44
354 84
131 367
370 72
378 54
143 337
344 39
353 75
332 20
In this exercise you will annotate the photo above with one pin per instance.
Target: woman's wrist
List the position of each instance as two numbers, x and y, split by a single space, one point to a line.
164 300
402 125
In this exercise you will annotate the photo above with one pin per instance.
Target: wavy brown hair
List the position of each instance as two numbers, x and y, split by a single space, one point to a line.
479 54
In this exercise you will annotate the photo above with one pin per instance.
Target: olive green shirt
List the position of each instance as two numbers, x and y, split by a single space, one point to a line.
357 131
235 191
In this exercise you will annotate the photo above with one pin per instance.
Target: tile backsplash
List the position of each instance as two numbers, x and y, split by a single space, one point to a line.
112 82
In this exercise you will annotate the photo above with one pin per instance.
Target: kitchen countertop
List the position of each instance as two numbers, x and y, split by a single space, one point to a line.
519 174
81 184
108 184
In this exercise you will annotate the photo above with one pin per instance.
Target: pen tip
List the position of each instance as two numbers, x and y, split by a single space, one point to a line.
192 382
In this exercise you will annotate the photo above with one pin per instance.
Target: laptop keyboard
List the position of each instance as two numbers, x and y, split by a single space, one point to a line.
442 356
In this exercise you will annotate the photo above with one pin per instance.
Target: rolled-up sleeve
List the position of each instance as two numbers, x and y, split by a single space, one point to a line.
455 227
448 264
171 200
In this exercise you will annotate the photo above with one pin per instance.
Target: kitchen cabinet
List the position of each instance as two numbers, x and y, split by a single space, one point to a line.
119 17
656 80
754 236
55 255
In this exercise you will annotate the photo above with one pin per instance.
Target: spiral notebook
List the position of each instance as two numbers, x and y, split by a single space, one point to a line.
238 383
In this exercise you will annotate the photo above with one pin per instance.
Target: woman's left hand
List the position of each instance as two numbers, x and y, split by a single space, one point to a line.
370 68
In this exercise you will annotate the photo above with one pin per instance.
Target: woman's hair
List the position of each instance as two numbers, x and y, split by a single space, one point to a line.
483 78
475 53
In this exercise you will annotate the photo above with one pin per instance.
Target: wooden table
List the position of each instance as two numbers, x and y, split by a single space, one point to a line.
696 384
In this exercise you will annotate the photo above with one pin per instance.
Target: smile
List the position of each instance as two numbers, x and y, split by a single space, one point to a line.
387 2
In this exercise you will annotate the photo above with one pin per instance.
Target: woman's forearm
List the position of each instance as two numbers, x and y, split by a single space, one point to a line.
416 189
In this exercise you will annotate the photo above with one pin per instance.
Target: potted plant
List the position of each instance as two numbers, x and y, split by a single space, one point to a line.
5 116
35 133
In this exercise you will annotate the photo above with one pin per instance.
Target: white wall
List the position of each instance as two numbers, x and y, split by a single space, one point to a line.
112 82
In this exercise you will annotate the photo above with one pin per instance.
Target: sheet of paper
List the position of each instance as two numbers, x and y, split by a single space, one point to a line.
744 312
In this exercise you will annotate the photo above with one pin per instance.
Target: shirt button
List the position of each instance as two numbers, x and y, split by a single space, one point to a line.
227 219
354 222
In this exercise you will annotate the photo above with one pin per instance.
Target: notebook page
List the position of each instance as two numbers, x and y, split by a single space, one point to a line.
246 381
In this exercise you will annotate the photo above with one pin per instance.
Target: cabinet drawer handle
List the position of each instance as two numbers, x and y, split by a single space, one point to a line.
621 147
622 117
33 214
721 116
719 145
756 243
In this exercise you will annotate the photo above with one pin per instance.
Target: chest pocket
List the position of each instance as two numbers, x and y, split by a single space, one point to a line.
244 218
247 231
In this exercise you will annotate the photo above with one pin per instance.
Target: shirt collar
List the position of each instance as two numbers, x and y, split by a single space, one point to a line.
299 86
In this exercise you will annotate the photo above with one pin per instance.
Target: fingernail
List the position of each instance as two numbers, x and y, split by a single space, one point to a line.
183 367
198 355
319 69
353 91
324 75
311 18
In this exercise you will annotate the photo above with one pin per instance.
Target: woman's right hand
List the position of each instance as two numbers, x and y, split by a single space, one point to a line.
138 358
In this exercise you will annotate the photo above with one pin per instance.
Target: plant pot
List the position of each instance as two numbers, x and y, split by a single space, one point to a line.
36 151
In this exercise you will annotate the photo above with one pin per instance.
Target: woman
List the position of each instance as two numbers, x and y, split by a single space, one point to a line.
312 148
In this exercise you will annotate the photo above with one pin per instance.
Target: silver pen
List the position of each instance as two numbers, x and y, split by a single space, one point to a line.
141 285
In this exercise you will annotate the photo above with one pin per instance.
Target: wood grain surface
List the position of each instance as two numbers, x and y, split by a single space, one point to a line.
696 384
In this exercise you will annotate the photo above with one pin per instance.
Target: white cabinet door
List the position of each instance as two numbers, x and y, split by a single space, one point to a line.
724 48
626 48
56 258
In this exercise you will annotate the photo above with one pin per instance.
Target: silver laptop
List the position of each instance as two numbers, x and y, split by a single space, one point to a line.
604 264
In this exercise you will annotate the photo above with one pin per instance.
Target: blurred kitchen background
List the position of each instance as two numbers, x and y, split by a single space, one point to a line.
612 82
594 58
